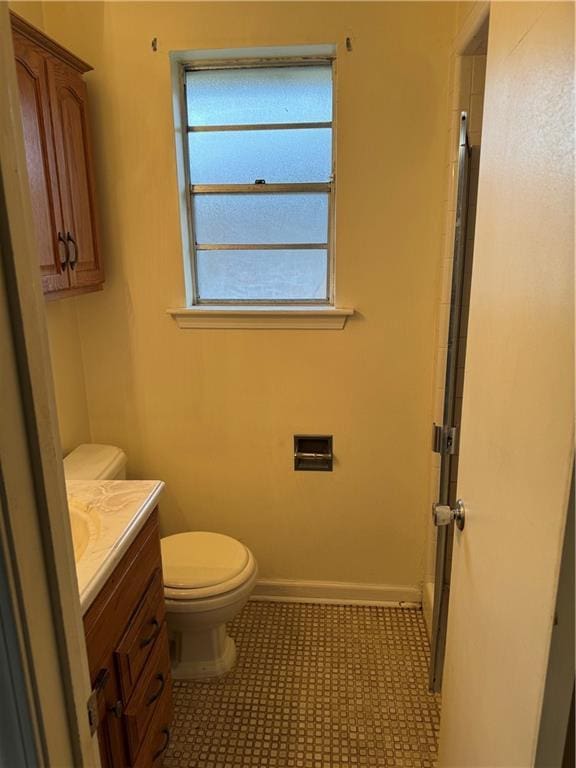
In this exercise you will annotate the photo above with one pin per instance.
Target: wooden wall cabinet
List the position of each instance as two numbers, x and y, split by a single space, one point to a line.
129 660
59 160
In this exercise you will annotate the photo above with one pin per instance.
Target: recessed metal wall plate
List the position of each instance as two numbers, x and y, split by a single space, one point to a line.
313 453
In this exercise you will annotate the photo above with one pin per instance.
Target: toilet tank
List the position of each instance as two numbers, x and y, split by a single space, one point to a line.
95 462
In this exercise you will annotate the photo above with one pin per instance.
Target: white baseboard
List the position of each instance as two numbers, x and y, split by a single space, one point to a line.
343 593
427 605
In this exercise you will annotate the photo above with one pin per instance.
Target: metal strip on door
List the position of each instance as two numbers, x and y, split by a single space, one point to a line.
446 437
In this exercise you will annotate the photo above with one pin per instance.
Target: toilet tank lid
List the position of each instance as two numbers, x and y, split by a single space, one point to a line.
91 461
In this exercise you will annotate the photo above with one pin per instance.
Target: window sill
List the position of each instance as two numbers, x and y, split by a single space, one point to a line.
262 317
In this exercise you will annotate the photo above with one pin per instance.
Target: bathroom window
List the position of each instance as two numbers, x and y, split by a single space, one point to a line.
259 160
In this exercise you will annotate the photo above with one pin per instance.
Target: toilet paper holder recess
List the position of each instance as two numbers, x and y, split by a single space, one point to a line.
313 453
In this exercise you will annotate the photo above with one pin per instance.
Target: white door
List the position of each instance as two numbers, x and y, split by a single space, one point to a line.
516 446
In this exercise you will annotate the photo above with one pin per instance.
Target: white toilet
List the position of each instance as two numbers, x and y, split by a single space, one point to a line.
208 577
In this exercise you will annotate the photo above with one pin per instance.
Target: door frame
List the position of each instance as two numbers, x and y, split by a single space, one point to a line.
446 434
435 606
35 537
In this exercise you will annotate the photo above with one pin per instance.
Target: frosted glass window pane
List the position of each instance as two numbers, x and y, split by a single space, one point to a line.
259 95
261 218
263 275
241 157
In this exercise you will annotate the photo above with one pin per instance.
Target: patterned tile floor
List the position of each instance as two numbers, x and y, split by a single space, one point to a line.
315 686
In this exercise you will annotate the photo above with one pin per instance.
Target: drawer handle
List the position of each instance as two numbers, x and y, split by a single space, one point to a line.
166 732
152 636
162 680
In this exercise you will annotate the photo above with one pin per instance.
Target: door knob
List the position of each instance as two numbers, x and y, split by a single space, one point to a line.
444 515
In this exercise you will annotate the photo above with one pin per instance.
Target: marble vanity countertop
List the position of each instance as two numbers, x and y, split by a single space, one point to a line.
115 510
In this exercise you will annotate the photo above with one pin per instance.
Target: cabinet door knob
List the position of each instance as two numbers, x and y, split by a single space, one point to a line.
70 239
63 242
116 709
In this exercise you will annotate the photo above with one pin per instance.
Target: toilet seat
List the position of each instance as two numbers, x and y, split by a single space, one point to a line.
200 564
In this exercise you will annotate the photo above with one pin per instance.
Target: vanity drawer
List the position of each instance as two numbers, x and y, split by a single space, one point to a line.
116 606
141 636
147 707
157 738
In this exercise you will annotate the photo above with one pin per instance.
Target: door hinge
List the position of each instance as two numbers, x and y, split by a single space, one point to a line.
444 439
92 704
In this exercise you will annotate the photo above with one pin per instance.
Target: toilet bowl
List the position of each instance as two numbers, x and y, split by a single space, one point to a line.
208 577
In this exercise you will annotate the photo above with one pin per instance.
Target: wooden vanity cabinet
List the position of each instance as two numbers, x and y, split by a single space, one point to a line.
59 161
129 658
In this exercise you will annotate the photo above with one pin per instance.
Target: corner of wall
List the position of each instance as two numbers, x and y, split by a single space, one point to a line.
31 10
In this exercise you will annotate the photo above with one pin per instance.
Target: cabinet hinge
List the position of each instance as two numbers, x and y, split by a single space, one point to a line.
93 718
444 439
92 704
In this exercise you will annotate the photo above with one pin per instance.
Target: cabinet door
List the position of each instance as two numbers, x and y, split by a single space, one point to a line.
111 740
41 164
75 173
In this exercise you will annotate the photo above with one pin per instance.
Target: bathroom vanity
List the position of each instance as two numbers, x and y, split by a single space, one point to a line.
117 550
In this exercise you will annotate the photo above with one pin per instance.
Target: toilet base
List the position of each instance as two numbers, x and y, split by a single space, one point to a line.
201 655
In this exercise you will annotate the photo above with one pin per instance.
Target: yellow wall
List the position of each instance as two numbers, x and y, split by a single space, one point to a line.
63 334
68 373
31 10
213 412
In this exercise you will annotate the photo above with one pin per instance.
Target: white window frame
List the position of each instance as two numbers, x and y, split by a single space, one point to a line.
329 316
329 187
